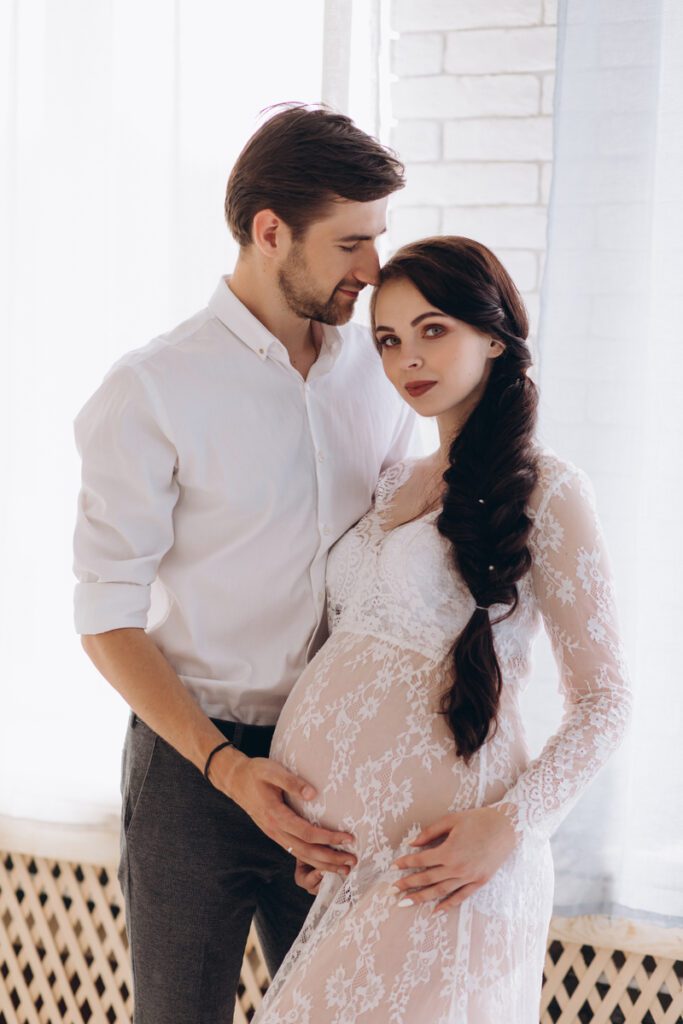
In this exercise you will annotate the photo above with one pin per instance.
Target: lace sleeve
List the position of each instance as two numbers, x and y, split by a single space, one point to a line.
573 588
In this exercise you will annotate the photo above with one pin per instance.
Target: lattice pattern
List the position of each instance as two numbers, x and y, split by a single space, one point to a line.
586 985
64 951
62 945
63 958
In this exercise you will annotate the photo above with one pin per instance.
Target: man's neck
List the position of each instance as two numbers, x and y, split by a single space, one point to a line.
258 292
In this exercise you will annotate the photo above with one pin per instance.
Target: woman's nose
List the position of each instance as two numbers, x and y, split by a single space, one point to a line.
412 360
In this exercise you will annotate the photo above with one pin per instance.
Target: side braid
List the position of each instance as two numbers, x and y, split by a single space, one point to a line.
492 466
491 475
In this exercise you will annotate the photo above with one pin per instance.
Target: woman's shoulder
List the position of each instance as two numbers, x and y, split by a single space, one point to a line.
558 478
391 478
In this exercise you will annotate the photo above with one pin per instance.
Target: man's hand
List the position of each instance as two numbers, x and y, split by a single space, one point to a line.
258 785
137 669
307 877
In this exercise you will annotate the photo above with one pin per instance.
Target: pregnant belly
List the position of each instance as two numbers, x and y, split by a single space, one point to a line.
362 726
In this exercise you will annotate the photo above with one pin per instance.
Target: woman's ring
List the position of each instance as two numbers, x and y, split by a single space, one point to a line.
289 849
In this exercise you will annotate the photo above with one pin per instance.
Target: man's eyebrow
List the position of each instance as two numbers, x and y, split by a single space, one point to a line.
360 238
415 322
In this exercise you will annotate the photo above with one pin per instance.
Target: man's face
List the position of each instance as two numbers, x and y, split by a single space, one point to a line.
322 274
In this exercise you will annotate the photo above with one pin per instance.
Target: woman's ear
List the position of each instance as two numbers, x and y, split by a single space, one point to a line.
496 348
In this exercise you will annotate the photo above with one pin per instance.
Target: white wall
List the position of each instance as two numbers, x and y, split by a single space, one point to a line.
472 102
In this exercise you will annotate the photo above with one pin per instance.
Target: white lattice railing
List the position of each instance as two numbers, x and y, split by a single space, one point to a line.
63 949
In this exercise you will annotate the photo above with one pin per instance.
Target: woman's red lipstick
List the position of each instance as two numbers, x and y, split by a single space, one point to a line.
419 387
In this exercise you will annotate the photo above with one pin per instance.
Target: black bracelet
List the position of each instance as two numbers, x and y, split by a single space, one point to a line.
215 750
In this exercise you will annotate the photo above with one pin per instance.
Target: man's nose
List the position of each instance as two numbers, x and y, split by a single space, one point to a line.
367 268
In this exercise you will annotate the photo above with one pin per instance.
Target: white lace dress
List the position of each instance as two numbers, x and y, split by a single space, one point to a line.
361 724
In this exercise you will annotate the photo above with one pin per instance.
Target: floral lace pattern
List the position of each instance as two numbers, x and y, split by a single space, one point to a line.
362 725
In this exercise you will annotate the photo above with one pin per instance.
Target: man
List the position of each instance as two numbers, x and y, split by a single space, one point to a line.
220 463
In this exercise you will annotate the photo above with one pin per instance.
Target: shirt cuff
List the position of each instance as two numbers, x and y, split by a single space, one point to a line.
99 607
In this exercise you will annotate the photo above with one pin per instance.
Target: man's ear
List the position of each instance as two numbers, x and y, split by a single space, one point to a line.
270 234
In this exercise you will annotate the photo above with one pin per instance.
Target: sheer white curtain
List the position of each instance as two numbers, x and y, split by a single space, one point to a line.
119 123
611 368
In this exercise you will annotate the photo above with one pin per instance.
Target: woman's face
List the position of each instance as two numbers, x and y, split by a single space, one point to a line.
436 363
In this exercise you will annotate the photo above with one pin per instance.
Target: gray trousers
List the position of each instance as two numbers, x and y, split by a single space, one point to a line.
194 871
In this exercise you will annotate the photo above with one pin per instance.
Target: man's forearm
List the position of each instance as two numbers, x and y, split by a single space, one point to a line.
136 668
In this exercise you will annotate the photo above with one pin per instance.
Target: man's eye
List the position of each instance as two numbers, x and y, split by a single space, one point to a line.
348 248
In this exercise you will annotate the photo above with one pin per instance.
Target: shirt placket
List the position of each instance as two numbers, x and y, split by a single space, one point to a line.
317 567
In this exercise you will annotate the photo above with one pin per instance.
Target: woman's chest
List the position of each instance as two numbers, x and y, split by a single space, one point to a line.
406 575
406 583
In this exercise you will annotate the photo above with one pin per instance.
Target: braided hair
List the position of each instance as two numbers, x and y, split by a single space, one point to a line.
492 466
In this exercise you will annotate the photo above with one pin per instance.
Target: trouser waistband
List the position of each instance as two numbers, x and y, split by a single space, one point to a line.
252 740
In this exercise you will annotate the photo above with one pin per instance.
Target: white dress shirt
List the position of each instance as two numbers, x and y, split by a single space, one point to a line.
214 482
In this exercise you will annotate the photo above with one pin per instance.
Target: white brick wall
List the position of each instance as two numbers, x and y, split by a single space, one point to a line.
466 96
472 102
491 52
418 15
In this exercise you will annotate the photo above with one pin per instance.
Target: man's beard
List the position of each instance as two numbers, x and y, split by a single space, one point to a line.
295 280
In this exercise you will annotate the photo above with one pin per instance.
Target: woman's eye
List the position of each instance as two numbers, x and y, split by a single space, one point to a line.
388 341
433 327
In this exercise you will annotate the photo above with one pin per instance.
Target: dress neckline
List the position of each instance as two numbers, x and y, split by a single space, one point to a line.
407 466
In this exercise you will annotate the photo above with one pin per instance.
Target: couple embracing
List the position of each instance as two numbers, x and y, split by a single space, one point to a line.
325 732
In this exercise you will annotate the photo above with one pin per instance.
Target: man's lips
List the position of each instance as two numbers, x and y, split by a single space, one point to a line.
419 387
350 291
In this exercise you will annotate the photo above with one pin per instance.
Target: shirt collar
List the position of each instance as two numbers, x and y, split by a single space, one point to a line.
234 314
225 305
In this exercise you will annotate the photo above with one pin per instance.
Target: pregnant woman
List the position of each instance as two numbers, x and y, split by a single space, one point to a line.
407 721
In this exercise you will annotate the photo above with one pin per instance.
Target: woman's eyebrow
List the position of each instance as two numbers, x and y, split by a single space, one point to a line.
415 322
423 316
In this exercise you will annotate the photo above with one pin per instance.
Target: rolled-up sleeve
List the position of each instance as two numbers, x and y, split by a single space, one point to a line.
128 492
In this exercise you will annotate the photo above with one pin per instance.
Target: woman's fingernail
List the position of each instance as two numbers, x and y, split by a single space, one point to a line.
406 902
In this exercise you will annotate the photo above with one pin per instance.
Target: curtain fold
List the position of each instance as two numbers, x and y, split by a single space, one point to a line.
119 123
611 368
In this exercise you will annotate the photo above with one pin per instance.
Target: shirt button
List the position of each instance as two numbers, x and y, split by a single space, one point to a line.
261 351
321 457
327 531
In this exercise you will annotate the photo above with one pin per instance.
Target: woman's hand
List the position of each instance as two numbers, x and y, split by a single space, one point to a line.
473 846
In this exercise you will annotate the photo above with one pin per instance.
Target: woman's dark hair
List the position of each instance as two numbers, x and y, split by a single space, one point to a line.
301 160
492 465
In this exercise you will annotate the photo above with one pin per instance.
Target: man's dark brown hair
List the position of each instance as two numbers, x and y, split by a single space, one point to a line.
301 160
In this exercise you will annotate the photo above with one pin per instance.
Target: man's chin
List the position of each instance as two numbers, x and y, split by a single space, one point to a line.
343 317
343 311
335 317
